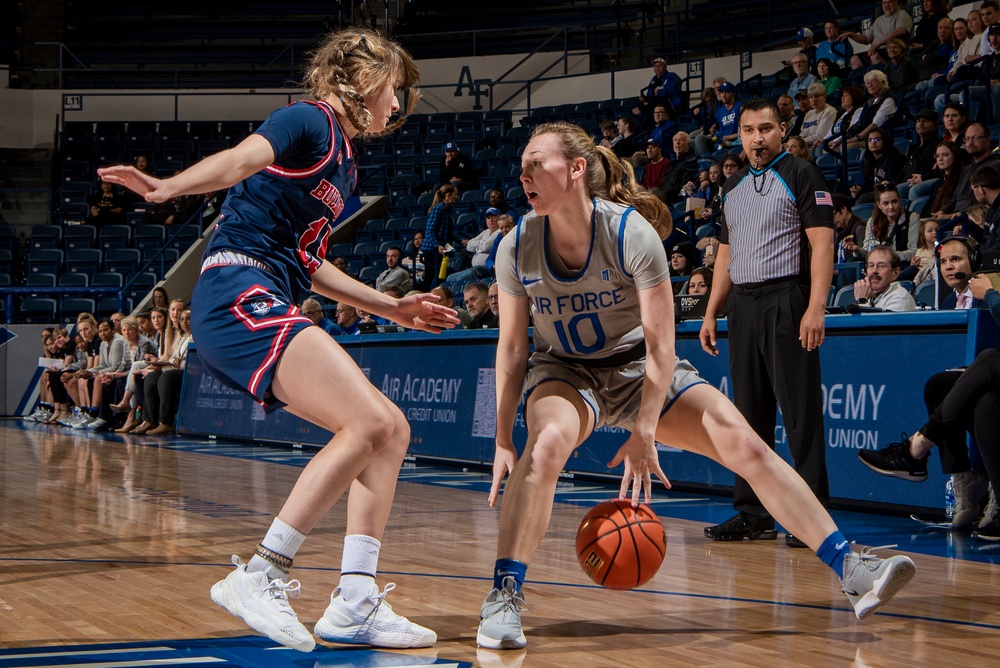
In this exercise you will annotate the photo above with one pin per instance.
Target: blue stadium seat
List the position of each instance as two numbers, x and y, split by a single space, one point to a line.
74 280
121 260
113 236
141 285
71 307
106 279
83 261
45 261
369 274
148 236
364 248
45 236
845 296
79 236
41 280
924 294
37 311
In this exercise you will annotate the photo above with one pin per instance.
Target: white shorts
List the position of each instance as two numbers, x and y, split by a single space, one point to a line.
613 393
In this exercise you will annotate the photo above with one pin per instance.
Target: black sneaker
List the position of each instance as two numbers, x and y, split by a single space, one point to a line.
990 532
792 541
895 460
741 526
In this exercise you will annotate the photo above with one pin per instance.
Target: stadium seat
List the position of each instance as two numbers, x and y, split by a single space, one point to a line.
74 280
113 236
107 279
79 236
71 307
924 294
845 296
41 280
45 236
83 261
37 311
121 260
45 261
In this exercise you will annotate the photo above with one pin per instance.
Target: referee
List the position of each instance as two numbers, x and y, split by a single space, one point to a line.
776 258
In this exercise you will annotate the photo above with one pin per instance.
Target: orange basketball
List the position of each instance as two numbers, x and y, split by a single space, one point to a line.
620 547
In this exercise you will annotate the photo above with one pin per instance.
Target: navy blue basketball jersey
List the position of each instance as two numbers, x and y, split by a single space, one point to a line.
281 215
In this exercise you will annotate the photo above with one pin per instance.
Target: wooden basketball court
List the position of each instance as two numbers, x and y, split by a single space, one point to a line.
110 545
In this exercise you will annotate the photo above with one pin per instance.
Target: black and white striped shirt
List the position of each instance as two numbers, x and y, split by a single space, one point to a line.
765 215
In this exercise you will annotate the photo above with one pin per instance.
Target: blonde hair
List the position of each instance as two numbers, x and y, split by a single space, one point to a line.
978 213
352 63
441 192
608 177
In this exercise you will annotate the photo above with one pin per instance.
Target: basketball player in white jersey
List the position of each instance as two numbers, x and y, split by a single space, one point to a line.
588 270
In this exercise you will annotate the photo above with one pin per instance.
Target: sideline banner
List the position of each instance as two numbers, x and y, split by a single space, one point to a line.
874 369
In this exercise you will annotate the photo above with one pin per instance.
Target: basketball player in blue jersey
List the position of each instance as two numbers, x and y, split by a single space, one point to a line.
588 270
288 181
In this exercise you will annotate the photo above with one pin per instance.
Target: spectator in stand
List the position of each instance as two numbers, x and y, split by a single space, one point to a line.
498 201
438 234
414 262
968 34
833 49
347 319
655 172
901 71
663 88
819 119
847 227
477 303
625 147
713 193
313 310
877 288
394 274
493 299
457 169
724 131
949 165
954 123
832 85
991 69
681 170
977 145
447 298
890 225
170 211
986 186
63 352
879 111
926 32
804 38
609 133
137 347
796 146
803 77
935 59
93 381
107 207
682 262
990 11
852 102
704 113
923 262
881 163
920 160
160 298
786 112
162 389
664 127
700 282
480 246
894 23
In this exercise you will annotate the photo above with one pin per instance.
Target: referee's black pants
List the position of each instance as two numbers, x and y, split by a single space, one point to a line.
770 369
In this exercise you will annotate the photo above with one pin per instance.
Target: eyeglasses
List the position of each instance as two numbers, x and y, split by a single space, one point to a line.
975 138
311 313
881 266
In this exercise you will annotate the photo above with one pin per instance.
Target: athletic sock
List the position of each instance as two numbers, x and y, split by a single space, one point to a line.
512 568
358 566
832 552
281 542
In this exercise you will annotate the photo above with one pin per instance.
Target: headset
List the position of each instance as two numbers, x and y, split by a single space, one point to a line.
971 246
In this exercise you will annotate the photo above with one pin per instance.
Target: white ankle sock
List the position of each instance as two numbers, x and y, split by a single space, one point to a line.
358 566
282 539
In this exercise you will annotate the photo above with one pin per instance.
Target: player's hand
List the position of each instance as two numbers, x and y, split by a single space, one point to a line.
812 329
709 327
503 463
979 285
149 187
641 462
420 312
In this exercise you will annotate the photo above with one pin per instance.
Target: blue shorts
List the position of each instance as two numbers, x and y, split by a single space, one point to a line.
242 320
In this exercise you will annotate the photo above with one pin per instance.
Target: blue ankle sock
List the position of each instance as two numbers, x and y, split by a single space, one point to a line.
511 567
832 552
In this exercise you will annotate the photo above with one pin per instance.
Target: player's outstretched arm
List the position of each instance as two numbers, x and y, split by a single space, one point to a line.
216 172
511 366
416 312
656 306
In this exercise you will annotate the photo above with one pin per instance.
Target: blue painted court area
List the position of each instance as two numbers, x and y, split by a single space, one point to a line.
248 651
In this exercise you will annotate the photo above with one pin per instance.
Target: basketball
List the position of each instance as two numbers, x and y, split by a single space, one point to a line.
620 547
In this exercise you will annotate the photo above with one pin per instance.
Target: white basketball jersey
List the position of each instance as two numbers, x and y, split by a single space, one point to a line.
593 313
